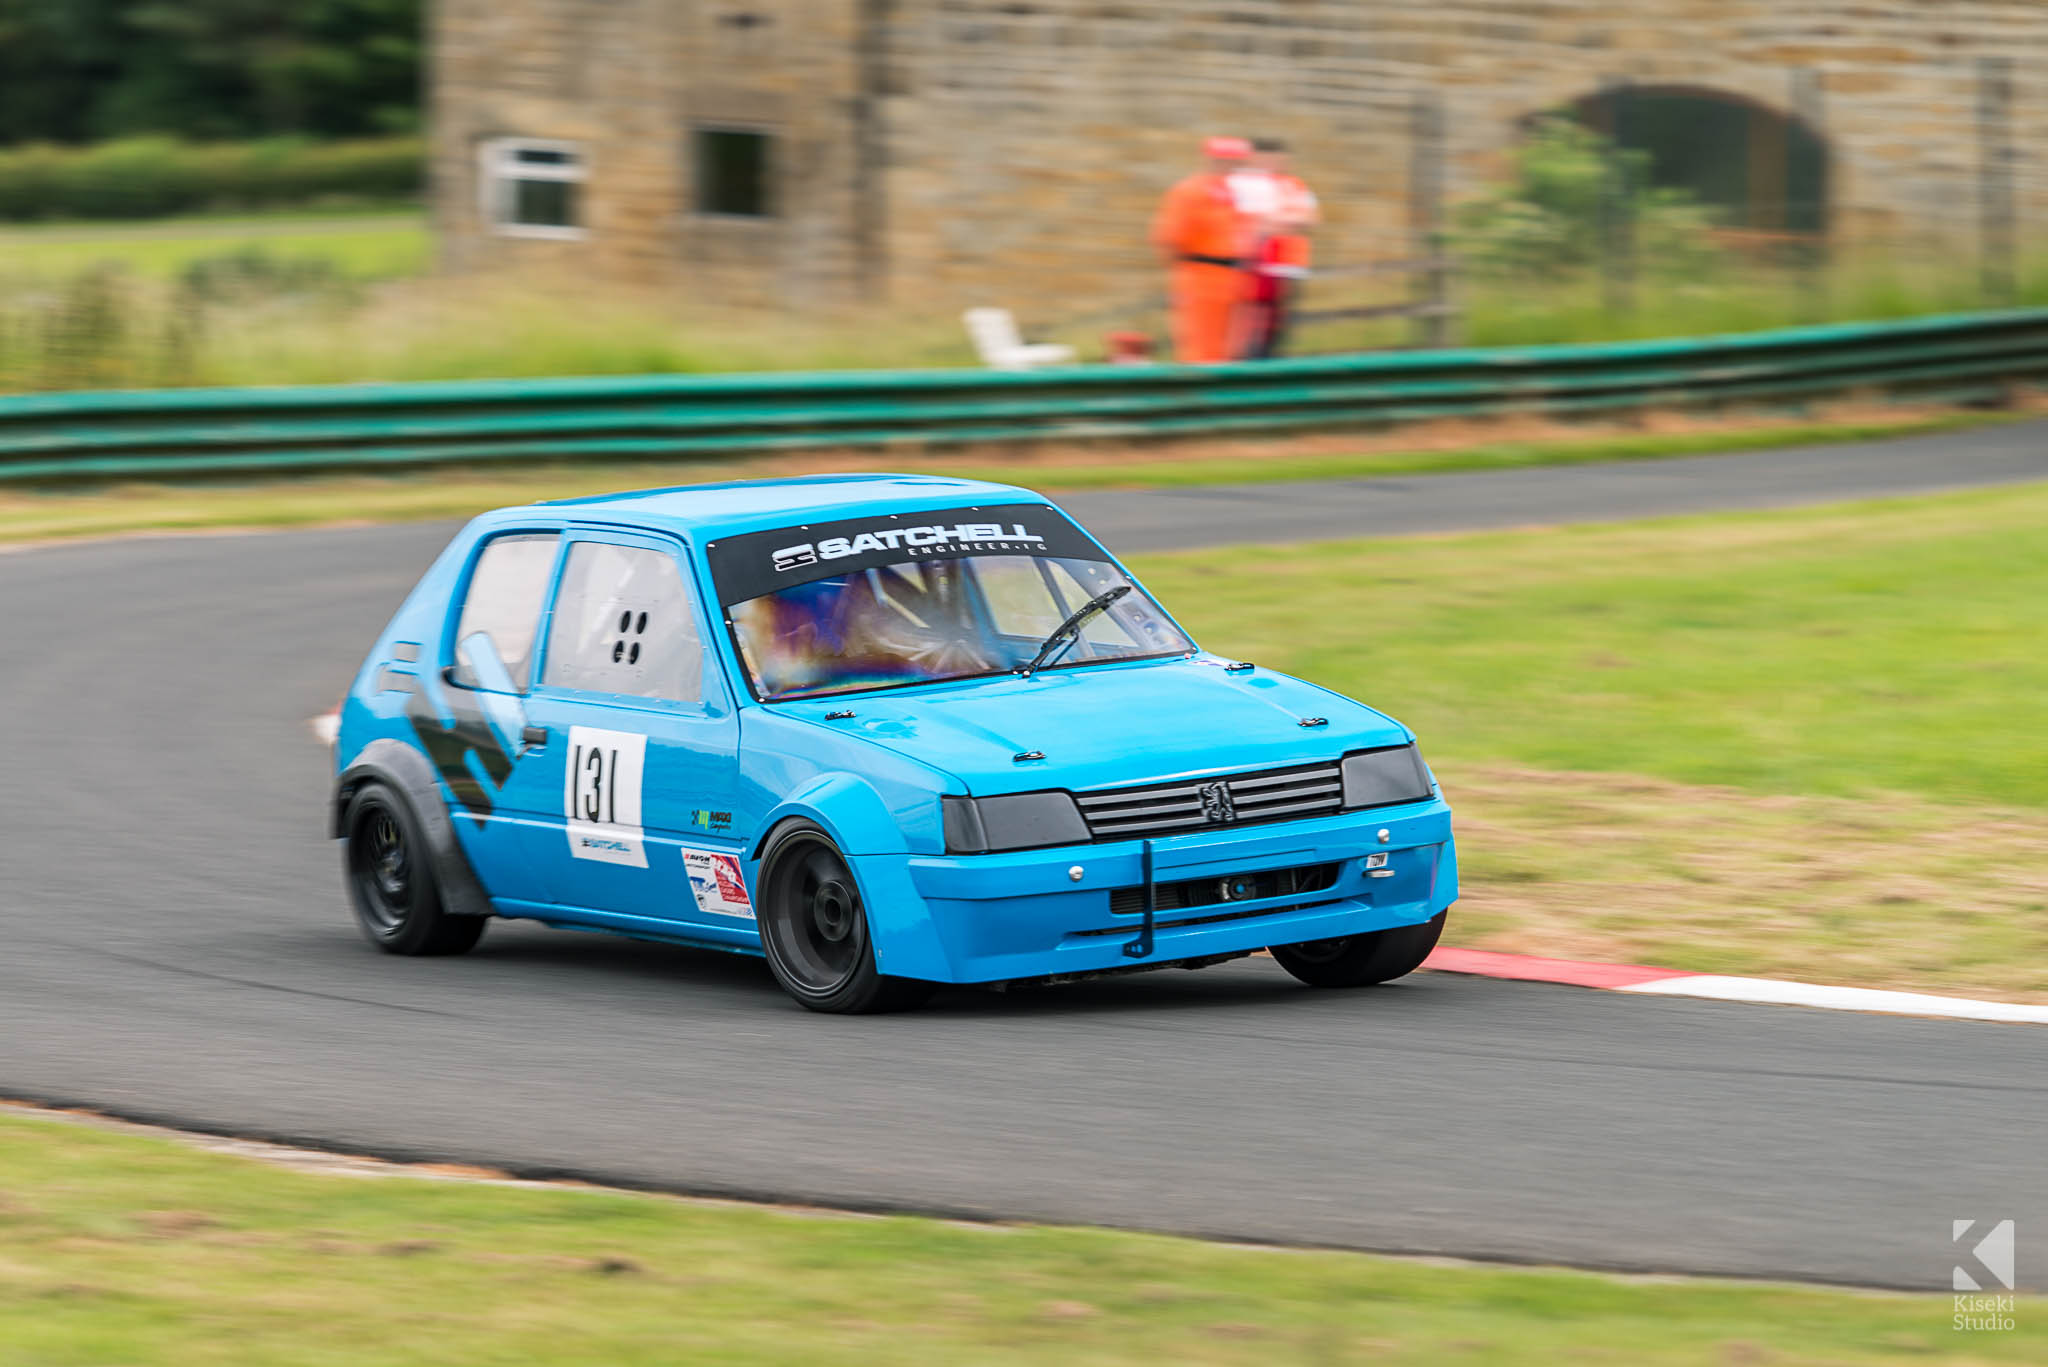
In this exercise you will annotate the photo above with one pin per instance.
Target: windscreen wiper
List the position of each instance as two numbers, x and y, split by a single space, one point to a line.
1069 631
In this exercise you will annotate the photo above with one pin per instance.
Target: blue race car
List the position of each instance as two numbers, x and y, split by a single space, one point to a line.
888 731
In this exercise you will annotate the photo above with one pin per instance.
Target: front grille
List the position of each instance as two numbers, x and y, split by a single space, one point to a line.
1221 890
1169 808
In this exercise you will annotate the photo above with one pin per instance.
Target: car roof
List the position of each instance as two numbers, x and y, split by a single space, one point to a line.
713 510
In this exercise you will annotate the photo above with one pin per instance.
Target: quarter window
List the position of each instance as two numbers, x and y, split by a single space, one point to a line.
503 604
623 625
533 187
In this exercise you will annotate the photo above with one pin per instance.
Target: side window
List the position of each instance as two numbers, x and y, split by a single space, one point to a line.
623 624
503 603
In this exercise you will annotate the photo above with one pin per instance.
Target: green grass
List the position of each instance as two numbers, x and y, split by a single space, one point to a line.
361 246
1868 284
420 327
1594 446
1882 647
1735 298
59 513
116 1248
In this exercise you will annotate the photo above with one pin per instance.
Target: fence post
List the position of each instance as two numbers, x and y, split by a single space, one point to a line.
1994 178
1809 107
1429 288
1617 207
870 151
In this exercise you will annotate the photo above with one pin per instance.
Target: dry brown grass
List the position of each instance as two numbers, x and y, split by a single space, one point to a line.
1873 892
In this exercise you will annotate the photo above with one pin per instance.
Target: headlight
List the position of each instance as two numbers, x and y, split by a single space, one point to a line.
1381 778
1017 821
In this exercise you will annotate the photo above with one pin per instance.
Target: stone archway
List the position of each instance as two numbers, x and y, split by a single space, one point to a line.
1762 170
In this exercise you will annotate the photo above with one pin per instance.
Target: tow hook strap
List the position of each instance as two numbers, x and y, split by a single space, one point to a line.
1142 946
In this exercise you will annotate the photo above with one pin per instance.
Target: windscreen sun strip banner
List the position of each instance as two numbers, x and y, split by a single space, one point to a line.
756 563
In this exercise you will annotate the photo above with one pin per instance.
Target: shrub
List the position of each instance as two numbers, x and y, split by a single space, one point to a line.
149 177
251 272
1549 218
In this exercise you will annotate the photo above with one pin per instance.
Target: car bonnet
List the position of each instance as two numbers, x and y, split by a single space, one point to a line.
1107 726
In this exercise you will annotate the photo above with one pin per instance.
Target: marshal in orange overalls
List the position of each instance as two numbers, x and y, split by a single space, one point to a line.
1200 229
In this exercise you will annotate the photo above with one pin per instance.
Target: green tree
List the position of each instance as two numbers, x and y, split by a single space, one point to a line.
55 60
84 69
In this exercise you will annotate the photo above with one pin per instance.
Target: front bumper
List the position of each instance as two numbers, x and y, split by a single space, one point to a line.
1001 917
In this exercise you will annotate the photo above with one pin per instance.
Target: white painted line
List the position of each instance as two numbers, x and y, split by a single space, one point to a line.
1778 992
326 727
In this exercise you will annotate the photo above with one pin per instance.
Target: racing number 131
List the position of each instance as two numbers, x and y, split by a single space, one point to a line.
601 795
596 784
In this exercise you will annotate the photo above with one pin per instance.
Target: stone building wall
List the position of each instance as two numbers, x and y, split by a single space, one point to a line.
949 151
628 81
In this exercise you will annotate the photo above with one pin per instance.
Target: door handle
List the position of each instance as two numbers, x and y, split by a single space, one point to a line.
534 737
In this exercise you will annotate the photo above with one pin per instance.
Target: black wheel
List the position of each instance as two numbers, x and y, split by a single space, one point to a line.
815 930
1359 960
391 879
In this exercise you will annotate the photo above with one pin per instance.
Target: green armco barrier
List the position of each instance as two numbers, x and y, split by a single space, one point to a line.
166 433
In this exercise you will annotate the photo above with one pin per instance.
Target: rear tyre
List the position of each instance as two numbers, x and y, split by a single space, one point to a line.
814 929
391 879
1360 960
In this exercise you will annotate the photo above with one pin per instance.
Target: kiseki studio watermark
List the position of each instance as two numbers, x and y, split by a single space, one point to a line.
1985 1276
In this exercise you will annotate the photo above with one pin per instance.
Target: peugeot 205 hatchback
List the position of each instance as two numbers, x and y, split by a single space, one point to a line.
888 731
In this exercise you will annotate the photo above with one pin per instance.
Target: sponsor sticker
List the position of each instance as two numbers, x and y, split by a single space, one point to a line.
601 795
911 541
755 563
717 883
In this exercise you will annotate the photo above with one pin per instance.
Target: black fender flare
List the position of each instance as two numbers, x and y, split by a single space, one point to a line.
406 770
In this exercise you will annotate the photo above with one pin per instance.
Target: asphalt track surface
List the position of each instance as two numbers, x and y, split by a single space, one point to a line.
177 949
1215 515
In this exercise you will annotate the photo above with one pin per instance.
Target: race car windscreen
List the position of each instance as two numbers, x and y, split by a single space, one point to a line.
924 597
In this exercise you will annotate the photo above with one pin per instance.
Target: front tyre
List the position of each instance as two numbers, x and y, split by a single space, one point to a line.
814 929
1360 960
391 879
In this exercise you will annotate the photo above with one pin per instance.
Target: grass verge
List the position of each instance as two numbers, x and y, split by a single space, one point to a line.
1847 650
59 513
373 245
120 1248
1622 867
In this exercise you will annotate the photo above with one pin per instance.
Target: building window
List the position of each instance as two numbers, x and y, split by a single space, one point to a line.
533 187
732 173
